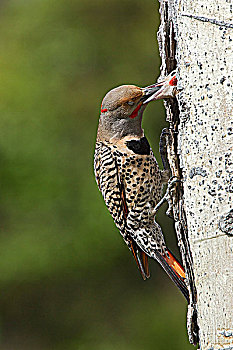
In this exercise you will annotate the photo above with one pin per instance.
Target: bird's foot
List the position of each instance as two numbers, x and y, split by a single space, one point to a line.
167 196
163 145
170 195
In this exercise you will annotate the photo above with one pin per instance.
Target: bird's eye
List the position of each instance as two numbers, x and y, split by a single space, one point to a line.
131 103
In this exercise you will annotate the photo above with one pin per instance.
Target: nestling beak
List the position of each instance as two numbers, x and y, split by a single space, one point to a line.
163 89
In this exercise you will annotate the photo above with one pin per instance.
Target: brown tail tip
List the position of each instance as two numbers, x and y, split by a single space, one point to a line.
141 259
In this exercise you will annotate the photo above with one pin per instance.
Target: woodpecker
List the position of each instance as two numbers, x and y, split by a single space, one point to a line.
129 177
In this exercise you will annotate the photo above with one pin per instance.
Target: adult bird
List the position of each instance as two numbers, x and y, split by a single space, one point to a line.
128 175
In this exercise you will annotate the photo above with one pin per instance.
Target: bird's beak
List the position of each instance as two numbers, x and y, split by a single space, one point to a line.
163 89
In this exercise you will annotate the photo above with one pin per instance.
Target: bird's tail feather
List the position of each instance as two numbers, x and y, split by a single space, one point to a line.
141 259
174 270
168 262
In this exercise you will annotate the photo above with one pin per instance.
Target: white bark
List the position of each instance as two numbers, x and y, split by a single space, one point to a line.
203 32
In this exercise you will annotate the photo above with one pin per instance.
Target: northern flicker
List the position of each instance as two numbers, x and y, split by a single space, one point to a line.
128 175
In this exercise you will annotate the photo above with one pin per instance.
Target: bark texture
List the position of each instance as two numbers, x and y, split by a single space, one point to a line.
196 37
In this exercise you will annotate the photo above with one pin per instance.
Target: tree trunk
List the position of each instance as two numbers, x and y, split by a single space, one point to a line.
196 38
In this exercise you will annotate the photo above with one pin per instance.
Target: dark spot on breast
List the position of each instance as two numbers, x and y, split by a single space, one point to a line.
139 146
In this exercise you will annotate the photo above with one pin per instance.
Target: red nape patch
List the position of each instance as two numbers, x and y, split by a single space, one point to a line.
173 81
135 112
103 110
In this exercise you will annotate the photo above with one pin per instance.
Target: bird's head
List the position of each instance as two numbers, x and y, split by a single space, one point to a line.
122 107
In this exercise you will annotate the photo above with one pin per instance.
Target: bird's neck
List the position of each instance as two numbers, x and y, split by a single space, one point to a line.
119 128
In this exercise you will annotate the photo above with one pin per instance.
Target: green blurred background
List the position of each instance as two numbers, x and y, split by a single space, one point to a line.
67 280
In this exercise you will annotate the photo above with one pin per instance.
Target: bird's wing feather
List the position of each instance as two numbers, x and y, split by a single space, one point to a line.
108 178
